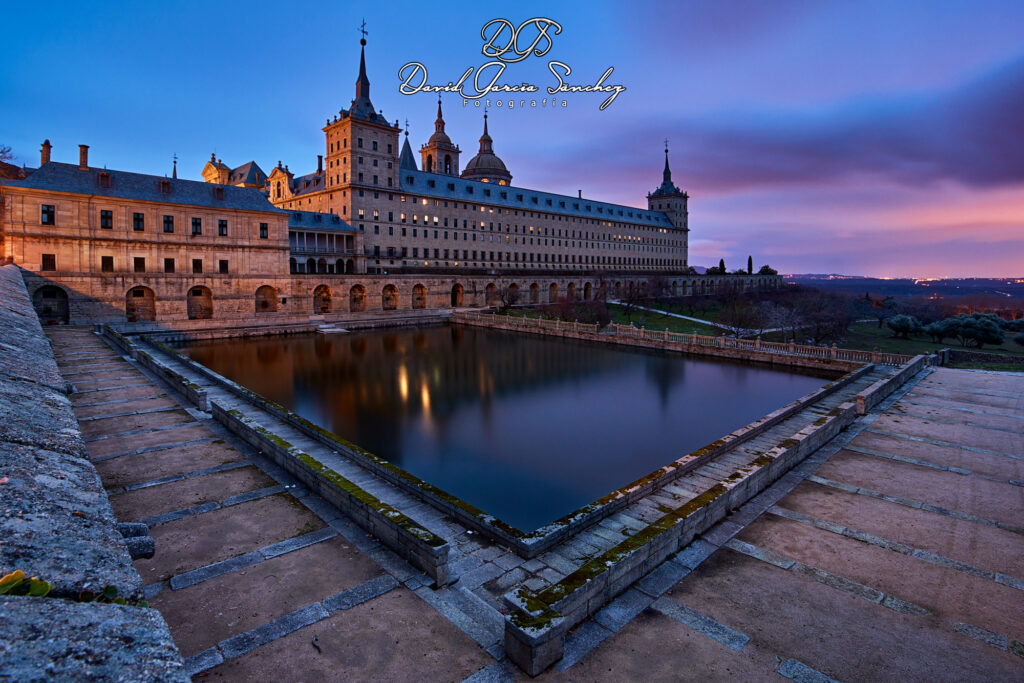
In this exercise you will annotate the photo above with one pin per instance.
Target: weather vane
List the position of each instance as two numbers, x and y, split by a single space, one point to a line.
362 29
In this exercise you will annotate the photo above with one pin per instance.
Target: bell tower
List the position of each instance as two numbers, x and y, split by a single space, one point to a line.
439 155
361 150
669 199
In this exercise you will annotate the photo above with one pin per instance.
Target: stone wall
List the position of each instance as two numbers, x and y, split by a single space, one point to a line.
57 524
982 358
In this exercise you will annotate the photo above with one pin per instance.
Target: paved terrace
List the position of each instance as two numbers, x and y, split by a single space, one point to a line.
900 557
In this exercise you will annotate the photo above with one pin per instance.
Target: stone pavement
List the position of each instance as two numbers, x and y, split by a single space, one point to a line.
900 556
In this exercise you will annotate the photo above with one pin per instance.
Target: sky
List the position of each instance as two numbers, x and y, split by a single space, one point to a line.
872 137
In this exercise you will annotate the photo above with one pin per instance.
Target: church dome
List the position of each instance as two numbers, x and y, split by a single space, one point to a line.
486 166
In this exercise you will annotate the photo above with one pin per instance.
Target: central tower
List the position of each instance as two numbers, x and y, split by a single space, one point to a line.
439 155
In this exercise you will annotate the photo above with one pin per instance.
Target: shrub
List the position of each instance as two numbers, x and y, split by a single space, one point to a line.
767 270
1019 339
903 326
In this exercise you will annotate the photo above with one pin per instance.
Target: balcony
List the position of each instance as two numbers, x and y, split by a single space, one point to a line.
299 250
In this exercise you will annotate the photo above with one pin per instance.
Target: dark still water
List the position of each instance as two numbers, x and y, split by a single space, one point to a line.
527 428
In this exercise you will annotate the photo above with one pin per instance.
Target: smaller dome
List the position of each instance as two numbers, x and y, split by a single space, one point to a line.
486 165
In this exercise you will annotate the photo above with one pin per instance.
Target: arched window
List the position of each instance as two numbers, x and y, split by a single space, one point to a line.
448 164
429 166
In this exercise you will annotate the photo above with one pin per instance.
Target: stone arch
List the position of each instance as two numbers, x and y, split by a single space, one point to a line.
534 293
339 266
458 294
513 293
350 266
266 299
491 294
419 296
292 265
618 290
199 303
389 298
140 304
428 166
571 291
321 265
553 292
322 299
448 164
310 265
588 291
51 304
675 287
357 298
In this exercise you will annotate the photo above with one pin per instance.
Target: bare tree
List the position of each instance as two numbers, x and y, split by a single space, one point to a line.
5 153
508 295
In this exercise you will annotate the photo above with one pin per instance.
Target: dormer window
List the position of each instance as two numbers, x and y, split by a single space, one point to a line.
218 193
519 197
487 193
104 179
451 187
165 187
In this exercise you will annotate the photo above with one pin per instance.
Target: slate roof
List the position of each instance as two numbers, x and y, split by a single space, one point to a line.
407 161
532 200
60 177
249 173
311 182
311 220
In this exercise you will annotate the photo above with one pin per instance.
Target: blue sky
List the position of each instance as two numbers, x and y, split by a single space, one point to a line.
863 137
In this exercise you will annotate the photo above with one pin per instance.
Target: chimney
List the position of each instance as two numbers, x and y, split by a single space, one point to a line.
319 164
581 194
44 153
83 157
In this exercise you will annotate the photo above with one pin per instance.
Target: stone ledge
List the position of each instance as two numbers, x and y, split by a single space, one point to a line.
48 639
418 545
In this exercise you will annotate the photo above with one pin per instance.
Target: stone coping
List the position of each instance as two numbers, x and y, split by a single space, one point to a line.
876 393
57 640
56 524
420 546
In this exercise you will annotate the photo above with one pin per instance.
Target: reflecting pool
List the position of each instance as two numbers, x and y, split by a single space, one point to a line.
527 428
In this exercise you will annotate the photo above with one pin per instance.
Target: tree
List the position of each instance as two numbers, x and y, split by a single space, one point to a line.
880 308
508 296
740 315
767 270
750 265
976 330
1019 339
657 285
6 154
721 266
903 326
940 330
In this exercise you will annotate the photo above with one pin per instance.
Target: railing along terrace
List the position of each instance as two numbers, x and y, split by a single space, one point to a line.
790 348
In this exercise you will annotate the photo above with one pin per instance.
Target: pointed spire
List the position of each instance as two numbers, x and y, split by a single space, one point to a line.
667 176
439 123
362 83
486 146
406 160
175 172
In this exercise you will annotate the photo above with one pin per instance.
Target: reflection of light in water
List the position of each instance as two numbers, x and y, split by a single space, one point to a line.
403 384
425 399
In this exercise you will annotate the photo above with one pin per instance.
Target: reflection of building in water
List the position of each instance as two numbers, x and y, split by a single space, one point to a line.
355 384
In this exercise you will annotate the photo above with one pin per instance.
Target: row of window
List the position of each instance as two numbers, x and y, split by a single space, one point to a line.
47 216
514 257
359 144
652 245
49 262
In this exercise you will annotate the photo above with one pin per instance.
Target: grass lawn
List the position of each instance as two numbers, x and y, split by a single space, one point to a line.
867 335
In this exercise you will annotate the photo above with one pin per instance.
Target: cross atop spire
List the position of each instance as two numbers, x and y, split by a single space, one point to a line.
362 29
